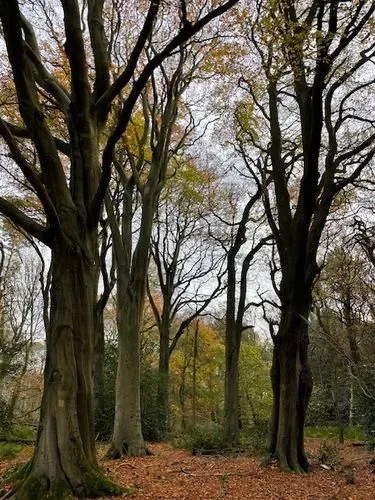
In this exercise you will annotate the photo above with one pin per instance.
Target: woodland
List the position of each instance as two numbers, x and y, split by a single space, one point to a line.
187 249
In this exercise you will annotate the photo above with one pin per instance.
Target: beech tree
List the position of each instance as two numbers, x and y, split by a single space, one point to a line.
185 258
317 133
142 176
237 305
69 172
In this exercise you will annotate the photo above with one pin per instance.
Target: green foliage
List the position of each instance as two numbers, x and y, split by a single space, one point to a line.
5 426
332 432
9 450
255 385
149 406
105 397
366 410
321 411
255 438
23 433
328 453
208 437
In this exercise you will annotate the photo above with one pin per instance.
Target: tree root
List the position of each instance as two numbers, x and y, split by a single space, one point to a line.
116 452
93 485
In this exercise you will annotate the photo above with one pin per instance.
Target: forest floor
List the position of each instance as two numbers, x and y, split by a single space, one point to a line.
172 473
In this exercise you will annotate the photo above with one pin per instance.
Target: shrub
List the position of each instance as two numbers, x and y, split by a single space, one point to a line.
105 395
332 432
366 407
105 400
328 453
206 438
23 433
255 438
5 426
151 429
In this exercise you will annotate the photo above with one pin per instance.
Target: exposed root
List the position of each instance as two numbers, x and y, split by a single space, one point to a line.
285 464
116 452
93 485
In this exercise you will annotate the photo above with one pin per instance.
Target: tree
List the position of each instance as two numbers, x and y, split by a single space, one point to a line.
237 305
20 322
185 259
316 146
254 384
196 376
69 175
156 143
343 305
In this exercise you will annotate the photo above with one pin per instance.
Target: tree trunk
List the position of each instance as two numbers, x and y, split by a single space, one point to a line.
163 382
195 357
231 396
232 354
98 362
352 400
292 386
127 433
64 461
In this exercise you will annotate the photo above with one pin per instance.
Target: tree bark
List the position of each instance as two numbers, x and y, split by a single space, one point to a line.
232 354
231 410
64 461
292 385
127 433
98 359
163 381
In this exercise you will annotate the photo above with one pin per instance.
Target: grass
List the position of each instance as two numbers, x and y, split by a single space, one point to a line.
331 432
9 450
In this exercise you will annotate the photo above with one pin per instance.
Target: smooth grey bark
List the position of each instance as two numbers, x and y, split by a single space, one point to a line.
132 266
127 434
131 289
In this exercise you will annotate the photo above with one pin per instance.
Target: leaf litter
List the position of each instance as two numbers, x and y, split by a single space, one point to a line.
172 473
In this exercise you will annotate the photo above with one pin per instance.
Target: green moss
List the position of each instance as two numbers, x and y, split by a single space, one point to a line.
97 485
94 485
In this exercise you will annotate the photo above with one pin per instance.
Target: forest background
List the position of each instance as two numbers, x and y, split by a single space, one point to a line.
187 207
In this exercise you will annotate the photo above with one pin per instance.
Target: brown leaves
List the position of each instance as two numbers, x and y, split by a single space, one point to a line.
175 474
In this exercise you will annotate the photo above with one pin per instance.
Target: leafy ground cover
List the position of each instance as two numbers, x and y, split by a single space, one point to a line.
172 473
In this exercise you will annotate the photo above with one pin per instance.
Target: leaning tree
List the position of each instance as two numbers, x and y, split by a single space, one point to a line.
61 137
314 60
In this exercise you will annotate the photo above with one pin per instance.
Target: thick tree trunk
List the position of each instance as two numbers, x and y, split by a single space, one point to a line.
64 461
99 346
292 386
163 383
98 363
231 396
232 354
127 433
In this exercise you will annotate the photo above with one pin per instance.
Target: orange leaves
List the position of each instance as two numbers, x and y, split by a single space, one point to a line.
175 474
